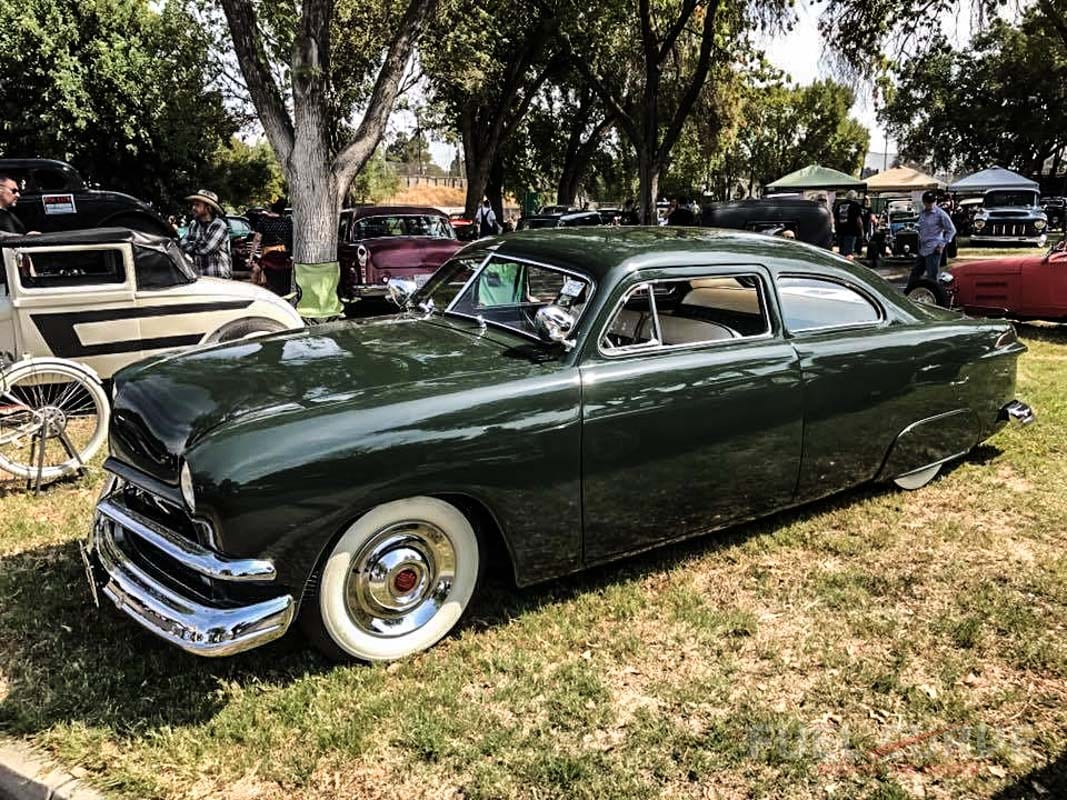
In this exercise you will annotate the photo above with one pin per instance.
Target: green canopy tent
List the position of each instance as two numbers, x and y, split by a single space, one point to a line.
814 178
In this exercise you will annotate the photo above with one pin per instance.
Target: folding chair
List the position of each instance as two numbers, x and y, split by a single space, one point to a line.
316 291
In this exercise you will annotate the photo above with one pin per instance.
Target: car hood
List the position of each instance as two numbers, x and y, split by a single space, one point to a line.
166 405
1011 265
400 252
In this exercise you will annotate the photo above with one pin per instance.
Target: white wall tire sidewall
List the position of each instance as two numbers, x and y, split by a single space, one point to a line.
917 480
366 646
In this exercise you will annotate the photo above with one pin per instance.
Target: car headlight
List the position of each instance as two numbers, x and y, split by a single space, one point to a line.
946 278
1040 224
362 255
979 224
186 481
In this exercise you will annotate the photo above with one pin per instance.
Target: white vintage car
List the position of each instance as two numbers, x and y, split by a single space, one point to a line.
107 297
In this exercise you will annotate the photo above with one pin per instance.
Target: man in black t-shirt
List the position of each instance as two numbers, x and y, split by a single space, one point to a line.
9 197
851 231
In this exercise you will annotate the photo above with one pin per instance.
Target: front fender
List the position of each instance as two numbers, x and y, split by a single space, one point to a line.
283 484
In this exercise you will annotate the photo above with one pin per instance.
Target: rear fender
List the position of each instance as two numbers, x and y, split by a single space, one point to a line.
931 441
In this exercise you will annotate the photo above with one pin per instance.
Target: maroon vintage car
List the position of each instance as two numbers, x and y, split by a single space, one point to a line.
1022 287
376 243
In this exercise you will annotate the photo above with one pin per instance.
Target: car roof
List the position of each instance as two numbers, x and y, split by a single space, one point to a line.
385 211
85 236
601 250
22 163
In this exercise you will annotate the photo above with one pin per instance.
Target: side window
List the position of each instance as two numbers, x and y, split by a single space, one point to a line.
61 268
342 228
813 303
634 323
690 311
713 309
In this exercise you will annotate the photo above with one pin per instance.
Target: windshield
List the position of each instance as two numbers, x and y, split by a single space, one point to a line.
504 291
403 225
1015 199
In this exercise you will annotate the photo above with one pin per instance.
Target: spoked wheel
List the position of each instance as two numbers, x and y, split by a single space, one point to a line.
397 581
53 418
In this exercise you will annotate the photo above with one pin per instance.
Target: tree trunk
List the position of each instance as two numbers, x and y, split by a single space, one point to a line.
648 172
477 181
494 189
315 195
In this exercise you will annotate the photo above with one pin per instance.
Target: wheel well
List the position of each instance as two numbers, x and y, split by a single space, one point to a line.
215 336
485 523
481 518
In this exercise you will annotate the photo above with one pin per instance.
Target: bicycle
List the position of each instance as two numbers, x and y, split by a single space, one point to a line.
54 417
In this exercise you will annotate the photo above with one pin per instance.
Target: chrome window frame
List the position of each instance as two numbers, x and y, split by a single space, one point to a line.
588 279
883 317
657 346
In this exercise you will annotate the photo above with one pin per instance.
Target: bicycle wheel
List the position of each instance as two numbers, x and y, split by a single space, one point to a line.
53 416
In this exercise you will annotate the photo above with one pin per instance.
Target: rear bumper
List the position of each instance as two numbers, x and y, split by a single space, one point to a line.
1017 412
183 621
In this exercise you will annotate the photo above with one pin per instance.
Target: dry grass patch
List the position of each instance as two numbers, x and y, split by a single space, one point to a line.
876 645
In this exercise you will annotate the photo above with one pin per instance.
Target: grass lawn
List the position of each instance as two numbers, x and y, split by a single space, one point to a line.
880 644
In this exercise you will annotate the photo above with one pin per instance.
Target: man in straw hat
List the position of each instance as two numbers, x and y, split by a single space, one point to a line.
208 239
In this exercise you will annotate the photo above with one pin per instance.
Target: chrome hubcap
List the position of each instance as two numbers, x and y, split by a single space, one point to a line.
400 578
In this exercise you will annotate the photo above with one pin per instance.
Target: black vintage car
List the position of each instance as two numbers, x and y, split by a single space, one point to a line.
55 198
1055 209
809 220
558 219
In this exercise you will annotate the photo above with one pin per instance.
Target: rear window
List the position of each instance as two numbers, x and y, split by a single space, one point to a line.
402 225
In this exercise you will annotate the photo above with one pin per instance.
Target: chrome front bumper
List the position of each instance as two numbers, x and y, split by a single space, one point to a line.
191 625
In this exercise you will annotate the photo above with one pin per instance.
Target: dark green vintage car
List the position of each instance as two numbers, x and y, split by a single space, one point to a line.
562 399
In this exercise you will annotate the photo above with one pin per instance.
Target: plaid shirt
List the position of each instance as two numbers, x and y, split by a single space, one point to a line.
209 246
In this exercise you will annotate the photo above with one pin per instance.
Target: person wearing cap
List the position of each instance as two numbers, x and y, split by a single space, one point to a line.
935 232
207 241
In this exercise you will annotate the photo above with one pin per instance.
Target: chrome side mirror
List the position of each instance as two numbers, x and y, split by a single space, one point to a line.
553 323
400 290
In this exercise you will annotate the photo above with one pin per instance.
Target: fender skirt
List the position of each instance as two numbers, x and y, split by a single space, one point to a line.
930 441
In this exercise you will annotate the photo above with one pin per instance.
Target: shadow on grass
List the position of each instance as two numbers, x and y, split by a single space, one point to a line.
1048 781
67 662
1049 332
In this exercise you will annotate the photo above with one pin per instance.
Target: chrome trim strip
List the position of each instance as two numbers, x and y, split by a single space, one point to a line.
185 551
194 627
937 463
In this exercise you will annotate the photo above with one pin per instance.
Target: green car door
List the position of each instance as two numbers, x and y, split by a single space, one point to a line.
692 415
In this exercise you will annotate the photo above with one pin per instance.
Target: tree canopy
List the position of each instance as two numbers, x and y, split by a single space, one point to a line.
1003 100
119 88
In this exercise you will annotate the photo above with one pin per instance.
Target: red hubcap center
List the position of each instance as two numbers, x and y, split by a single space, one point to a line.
405 580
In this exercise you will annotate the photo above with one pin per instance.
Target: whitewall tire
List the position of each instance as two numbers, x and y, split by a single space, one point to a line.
916 480
398 580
